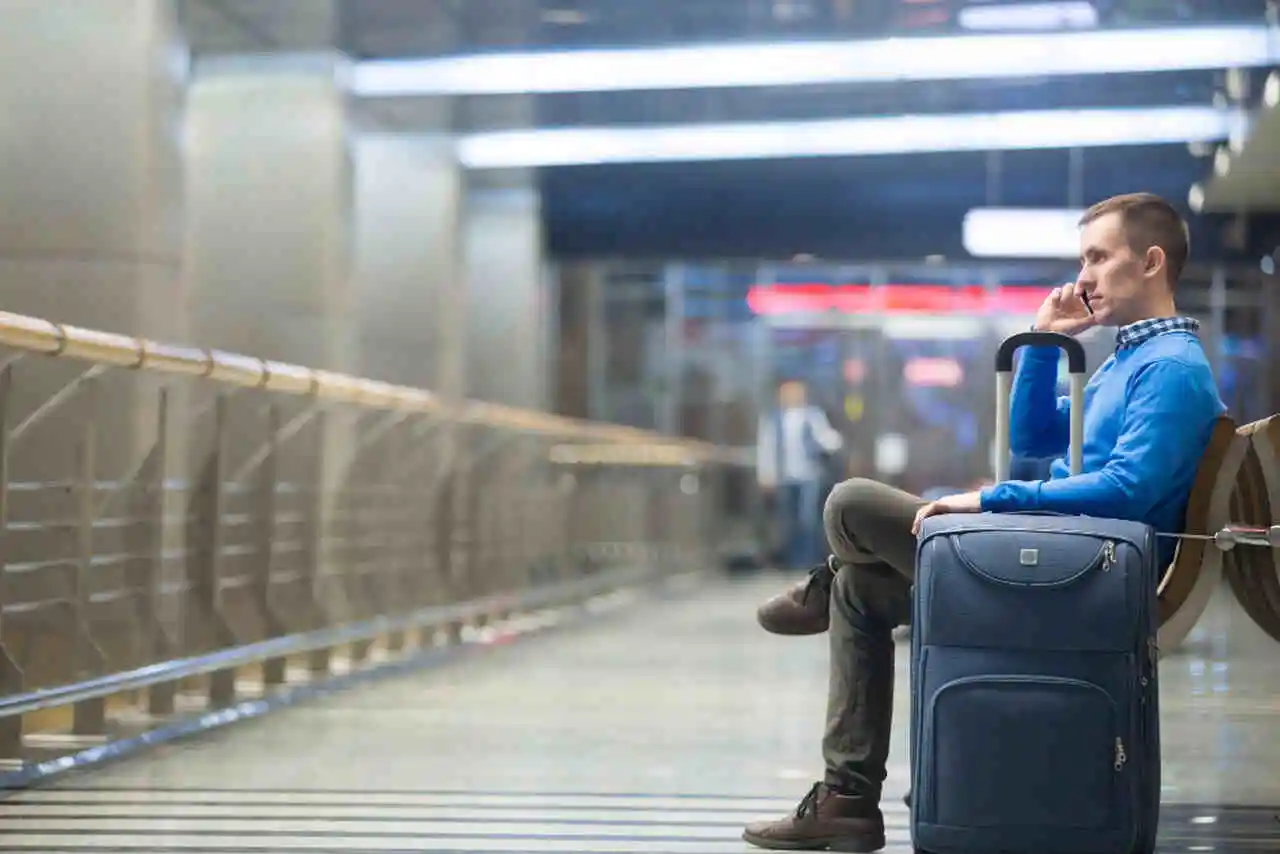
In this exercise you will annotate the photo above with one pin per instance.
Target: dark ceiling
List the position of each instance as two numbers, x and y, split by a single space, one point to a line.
847 208
883 206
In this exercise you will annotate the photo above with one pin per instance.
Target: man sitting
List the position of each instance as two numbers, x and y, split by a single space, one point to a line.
1149 413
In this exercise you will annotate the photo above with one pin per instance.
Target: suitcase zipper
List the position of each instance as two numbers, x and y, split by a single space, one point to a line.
1121 757
1108 555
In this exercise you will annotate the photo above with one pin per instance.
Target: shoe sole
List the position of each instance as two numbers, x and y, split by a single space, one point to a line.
792 633
853 844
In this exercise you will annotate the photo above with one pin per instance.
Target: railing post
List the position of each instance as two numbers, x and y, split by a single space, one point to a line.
318 661
395 471
361 574
567 484
419 562
462 491
161 697
442 502
454 500
11 676
88 716
208 583
526 549
264 534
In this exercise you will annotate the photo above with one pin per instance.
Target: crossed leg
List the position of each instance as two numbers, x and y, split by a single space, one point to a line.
868 527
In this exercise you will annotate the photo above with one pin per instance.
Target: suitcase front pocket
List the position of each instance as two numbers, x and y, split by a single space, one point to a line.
1013 751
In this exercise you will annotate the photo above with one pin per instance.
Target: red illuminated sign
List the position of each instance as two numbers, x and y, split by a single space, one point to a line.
933 373
855 371
894 299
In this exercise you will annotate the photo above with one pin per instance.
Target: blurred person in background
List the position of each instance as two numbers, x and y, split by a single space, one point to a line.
794 441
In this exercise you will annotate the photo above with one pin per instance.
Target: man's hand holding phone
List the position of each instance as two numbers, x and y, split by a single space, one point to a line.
1065 310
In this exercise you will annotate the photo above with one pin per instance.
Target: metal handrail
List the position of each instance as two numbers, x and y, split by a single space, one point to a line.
46 337
305 642
287 578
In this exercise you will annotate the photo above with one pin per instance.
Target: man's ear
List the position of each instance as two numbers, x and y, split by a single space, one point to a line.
1154 261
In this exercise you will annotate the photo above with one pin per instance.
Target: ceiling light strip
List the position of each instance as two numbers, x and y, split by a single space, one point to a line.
1004 131
710 66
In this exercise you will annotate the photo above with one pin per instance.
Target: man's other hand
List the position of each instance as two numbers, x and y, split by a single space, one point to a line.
965 502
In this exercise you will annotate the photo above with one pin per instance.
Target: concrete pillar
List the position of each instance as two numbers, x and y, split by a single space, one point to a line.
508 311
91 207
270 181
411 292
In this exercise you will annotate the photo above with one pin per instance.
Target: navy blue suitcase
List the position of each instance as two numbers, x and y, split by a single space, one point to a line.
1035 725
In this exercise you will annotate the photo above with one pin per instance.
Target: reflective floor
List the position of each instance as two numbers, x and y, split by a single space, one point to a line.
662 730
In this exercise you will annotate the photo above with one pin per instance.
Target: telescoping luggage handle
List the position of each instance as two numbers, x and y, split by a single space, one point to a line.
1004 390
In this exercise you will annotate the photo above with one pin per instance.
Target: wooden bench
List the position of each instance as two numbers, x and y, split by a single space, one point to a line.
1196 571
1237 483
1254 573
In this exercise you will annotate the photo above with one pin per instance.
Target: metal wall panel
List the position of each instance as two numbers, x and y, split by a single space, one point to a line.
270 187
409 282
90 217
506 295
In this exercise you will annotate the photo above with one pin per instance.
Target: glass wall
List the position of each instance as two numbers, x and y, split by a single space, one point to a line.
899 355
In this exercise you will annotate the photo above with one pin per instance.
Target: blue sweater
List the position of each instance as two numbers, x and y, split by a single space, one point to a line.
1149 411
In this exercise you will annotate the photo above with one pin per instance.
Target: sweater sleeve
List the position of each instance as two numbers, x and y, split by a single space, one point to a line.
1039 423
1159 437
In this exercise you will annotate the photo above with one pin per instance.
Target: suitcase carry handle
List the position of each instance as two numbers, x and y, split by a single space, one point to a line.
1004 391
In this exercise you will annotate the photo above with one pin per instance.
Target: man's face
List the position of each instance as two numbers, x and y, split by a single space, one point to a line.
791 394
1117 280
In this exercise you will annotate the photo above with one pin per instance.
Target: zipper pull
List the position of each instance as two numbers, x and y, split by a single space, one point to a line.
1121 758
1108 555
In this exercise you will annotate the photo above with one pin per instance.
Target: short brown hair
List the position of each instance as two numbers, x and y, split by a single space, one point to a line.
1148 221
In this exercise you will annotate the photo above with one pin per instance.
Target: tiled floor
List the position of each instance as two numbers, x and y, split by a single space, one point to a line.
662 731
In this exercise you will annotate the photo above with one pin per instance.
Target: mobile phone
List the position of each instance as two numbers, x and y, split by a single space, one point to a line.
1084 297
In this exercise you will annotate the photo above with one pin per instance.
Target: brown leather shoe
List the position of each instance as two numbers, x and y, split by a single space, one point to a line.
805 608
824 820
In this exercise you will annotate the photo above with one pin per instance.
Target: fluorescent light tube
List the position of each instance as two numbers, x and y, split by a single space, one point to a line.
844 137
799 63
1022 233
1067 15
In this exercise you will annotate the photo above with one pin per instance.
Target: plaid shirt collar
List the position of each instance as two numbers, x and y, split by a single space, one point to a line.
1128 337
